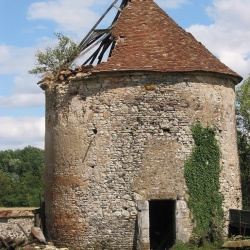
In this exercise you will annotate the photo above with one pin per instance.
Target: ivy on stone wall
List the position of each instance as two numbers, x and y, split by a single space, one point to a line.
201 172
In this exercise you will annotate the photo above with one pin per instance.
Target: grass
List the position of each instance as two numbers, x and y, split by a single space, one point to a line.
187 246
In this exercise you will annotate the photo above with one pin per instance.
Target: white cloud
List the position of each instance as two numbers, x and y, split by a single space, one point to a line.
19 60
230 12
18 132
26 84
15 60
73 16
22 100
171 4
24 93
228 37
4 53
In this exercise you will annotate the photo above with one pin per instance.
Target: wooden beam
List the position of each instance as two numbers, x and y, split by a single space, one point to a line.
106 12
91 47
100 36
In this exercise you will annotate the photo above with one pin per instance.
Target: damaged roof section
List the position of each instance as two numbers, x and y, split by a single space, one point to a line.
142 37
101 39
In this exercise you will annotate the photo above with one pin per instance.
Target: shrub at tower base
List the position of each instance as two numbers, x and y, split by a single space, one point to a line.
202 170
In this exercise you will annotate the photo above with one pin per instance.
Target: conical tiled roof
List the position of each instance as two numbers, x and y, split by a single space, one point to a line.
148 39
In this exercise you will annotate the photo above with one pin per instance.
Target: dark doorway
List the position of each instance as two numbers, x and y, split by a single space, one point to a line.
162 224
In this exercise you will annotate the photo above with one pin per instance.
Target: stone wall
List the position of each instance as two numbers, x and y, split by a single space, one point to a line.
114 140
12 218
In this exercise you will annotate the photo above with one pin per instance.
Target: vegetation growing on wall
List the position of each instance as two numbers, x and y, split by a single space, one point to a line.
201 172
21 177
53 59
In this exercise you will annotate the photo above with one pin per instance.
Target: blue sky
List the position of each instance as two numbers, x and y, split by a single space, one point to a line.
28 25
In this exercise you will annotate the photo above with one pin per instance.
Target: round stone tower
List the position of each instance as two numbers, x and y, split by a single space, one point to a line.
117 136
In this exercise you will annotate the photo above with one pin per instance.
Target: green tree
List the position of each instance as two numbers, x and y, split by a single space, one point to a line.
14 165
53 59
243 107
4 160
32 159
21 177
243 126
5 186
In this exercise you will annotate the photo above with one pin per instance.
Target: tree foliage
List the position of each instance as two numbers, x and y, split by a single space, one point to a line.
243 106
243 126
21 177
53 59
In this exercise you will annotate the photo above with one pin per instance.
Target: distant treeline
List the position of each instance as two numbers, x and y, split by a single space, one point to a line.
21 177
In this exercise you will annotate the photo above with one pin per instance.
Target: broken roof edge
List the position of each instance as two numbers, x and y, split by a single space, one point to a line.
67 77
88 71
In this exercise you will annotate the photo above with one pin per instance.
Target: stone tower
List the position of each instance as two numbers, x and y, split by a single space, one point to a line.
117 136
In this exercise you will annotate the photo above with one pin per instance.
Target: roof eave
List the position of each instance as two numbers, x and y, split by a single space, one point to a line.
234 77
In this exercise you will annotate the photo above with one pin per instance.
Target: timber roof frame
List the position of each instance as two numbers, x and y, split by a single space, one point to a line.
101 37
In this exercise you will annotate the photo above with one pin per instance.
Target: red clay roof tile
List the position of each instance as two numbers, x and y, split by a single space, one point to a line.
148 39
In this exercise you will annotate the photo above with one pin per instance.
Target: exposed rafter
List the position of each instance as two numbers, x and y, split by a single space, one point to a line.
101 39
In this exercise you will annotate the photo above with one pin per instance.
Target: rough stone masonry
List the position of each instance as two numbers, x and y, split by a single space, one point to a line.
15 221
117 137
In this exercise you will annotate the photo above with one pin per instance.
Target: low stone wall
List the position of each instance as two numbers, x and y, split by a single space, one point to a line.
15 221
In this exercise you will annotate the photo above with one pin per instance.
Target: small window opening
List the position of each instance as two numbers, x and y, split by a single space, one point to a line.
95 131
162 224
166 130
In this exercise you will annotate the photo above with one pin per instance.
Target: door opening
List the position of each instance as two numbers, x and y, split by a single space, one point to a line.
162 224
